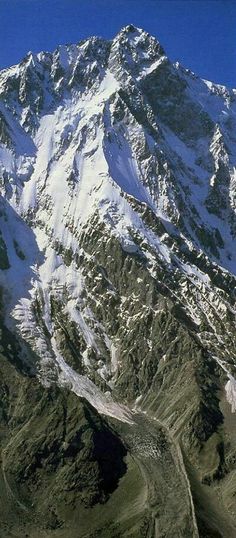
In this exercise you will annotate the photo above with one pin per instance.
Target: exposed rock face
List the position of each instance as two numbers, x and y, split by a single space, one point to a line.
117 251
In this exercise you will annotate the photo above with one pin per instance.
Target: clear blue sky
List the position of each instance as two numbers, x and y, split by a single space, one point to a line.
201 34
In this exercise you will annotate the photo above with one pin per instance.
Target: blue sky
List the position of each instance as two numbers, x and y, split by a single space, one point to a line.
201 34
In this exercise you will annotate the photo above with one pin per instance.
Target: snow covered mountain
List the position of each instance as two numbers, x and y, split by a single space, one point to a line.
117 249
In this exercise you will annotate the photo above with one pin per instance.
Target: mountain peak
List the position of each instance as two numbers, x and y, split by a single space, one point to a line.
135 35
117 277
131 29
136 48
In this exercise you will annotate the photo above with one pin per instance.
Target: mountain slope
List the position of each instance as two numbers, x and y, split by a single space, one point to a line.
117 250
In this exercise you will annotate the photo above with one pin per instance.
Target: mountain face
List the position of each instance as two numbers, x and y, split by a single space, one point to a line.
118 273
